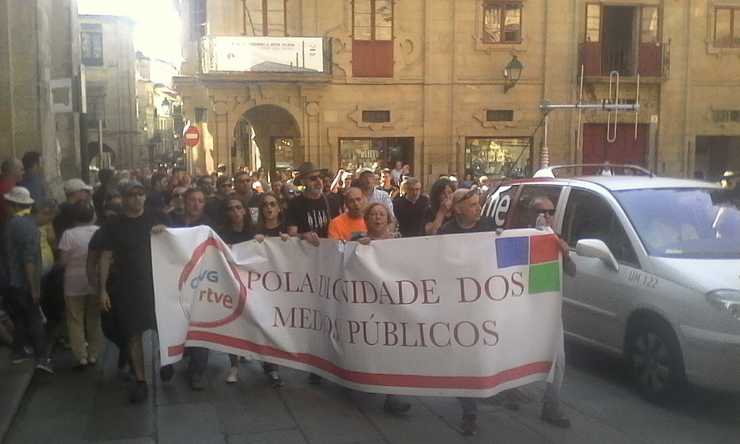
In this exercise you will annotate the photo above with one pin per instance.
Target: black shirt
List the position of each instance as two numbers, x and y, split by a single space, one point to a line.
310 215
273 232
232 237
410 215
483 225
216 210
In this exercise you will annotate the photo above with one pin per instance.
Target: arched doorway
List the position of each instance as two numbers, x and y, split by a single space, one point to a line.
98 162
267 137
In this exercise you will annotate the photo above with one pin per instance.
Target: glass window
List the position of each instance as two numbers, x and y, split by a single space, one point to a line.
498 156
726 24
372 19
283 153
593 23
502 22
523 216
699 223
589 216
649 25
91 42
264 18
375 152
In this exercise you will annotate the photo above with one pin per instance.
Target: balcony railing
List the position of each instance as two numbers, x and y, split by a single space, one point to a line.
273 55
649 60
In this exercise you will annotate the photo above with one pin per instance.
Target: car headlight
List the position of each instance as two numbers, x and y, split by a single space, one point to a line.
727 301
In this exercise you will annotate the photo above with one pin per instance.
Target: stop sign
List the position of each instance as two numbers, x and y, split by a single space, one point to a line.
192 136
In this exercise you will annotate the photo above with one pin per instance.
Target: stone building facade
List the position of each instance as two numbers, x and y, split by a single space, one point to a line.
109 59
40 85
436 83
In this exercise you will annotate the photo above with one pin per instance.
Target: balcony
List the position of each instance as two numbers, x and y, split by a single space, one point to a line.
650 60
304 59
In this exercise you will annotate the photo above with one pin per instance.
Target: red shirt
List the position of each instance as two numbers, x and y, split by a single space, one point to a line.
6 184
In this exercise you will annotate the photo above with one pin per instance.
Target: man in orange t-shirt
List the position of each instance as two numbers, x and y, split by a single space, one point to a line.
350 225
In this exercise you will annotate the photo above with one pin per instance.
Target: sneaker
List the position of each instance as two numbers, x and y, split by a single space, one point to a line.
166 373
554 416
45 366
469 425
233 375
139 392
314 379
20 358
274 378
196 382
395 406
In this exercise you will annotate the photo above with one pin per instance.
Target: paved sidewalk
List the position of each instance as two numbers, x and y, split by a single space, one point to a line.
14 380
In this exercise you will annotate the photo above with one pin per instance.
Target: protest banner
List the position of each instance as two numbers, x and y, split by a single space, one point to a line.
459 315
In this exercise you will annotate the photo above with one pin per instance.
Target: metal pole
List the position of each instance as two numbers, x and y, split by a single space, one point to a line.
100 144
545 151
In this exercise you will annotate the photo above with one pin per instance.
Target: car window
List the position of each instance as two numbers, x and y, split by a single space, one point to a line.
521 216
589 216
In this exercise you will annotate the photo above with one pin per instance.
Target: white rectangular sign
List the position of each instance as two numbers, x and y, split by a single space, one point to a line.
458 315
264 54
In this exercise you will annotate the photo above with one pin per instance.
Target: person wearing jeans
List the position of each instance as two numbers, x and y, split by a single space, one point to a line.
23 256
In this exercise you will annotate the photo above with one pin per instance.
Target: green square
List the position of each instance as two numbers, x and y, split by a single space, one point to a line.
544 277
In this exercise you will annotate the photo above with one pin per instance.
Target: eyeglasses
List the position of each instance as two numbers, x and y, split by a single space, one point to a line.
548 212
235 207
269 204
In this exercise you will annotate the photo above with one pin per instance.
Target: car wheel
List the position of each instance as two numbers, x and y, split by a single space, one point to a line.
655 360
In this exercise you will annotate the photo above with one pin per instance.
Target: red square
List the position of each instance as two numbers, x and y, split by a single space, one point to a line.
543 249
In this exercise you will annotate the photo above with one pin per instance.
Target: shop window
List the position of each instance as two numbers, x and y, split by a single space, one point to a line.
500 115
498 156
502 22
264 18
376 116
372 38
283 153
727 27
198 19
91 42
375 153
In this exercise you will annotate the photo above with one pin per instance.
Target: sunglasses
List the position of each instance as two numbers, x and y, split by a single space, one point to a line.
548 212
235 207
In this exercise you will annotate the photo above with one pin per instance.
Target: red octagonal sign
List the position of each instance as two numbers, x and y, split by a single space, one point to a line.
192 136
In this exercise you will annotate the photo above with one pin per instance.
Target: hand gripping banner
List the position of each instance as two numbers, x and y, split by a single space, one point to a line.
460 315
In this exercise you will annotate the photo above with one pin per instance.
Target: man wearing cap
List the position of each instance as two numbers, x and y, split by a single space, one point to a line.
310 213
466 209
76 191
126 285
23 257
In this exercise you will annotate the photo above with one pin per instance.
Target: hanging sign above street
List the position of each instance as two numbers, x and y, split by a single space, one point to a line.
192 136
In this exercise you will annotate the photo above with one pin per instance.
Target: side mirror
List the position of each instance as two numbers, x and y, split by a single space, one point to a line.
597 249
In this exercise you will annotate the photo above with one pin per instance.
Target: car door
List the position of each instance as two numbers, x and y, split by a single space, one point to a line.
597 296
520 213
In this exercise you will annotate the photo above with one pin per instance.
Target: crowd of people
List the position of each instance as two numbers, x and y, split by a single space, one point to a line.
86 262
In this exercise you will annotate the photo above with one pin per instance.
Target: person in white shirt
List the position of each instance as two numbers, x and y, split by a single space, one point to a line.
82 310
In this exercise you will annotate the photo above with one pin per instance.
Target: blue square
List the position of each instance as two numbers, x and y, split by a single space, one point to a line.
511 251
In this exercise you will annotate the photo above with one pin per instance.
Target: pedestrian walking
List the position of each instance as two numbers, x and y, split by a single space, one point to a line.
23 256
126 256
82 309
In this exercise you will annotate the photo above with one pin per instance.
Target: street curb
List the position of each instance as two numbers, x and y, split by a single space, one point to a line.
16 380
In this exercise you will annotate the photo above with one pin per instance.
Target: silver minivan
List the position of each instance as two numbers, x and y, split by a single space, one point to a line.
658 272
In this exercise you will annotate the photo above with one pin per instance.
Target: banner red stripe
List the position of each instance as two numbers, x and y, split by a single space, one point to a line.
380 379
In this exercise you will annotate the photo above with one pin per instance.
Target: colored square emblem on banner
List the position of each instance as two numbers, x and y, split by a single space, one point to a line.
543 249
544 277
512 251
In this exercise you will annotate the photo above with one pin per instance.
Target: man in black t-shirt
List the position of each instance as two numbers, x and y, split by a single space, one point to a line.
310 213
411 208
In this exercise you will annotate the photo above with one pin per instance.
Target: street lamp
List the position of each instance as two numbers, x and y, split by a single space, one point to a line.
512 73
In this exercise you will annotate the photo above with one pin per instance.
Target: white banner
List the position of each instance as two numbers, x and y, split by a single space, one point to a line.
460 315
263 54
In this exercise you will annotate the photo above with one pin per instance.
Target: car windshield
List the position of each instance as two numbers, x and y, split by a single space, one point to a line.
685 223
